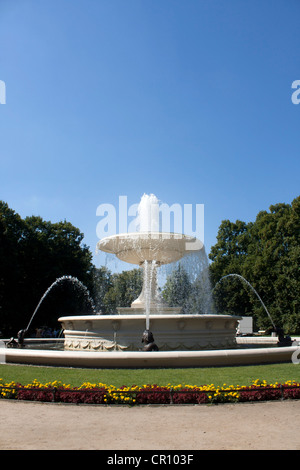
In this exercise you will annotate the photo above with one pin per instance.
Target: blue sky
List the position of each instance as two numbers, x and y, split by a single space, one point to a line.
189 100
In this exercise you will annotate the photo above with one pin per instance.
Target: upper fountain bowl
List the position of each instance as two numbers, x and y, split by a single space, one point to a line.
137 247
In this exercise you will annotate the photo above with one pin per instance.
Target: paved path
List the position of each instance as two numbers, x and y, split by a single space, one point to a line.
39 426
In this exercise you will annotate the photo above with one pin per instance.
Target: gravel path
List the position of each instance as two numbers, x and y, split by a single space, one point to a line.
249 426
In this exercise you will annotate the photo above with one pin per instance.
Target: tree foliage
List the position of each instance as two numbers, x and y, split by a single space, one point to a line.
266 253
125 288
33 254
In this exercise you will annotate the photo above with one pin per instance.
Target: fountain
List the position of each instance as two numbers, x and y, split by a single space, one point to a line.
58 281
73 280
150 249
238 276
149 333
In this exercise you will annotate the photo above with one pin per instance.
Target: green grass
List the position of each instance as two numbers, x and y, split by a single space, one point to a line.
242 375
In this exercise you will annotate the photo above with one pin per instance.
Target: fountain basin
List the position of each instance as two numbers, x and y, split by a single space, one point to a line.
171 332
137 247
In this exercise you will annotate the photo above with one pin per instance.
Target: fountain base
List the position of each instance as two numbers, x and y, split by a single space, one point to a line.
157 359
172 332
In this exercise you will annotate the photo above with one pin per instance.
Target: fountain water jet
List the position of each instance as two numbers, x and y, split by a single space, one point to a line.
74 281
252 288
59 280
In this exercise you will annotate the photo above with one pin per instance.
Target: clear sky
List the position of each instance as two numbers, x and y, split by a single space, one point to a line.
186 99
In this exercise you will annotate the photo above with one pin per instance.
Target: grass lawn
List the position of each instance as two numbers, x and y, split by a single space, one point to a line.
242 375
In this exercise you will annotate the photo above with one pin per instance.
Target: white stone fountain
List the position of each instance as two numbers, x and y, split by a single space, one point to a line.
172 330
183 340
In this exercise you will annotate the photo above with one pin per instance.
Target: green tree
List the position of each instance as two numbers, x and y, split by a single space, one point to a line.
273 263
11 240
266 253
33 254
126 287
177 288
189 291
228 257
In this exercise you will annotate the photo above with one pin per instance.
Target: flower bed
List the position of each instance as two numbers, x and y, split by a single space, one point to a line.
149 394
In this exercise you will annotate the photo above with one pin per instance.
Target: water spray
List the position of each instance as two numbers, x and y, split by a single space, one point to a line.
251 287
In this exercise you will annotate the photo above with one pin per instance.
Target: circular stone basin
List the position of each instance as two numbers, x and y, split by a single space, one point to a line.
137 247
171 332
